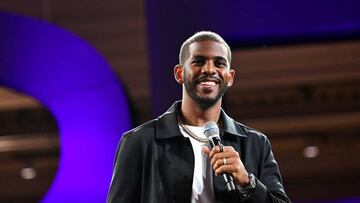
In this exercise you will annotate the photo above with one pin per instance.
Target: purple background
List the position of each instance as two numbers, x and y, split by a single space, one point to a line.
78 87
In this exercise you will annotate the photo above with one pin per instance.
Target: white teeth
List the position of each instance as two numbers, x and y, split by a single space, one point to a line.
208 83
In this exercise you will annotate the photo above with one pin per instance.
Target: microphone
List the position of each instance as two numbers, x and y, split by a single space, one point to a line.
211 131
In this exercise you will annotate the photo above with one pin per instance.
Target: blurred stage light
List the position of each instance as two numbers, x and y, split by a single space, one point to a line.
311 151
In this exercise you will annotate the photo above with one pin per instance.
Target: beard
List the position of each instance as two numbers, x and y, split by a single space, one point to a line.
204 102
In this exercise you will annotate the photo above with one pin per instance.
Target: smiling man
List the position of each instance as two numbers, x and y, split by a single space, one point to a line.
168 159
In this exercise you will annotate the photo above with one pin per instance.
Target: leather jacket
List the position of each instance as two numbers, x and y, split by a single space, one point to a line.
155 163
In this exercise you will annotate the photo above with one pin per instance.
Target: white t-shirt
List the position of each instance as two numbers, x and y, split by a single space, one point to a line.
202 187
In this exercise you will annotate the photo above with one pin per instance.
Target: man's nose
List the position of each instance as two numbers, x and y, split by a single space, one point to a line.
208 68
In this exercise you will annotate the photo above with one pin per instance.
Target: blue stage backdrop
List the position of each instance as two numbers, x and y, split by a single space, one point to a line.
78 87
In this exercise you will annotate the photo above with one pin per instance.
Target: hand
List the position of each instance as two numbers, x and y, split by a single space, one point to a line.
233 166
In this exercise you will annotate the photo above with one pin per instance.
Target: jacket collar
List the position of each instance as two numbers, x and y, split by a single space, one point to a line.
167 126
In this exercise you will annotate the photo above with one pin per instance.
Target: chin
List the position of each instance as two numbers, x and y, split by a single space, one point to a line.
206 102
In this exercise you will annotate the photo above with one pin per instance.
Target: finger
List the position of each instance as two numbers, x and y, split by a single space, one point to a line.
205 150
220 155
229 149
231 164
228 168
217 163
220 162
217 149
214 150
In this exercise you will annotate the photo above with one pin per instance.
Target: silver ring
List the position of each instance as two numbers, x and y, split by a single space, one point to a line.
224 160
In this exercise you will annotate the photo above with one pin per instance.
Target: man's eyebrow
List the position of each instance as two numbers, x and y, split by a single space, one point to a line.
220 58
205 57
200 57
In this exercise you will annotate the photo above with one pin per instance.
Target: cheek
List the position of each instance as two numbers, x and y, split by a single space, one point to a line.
188 75
225 75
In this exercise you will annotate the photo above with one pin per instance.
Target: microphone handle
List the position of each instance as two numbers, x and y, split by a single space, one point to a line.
229 181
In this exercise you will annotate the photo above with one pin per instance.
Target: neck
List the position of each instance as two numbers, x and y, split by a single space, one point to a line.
193 114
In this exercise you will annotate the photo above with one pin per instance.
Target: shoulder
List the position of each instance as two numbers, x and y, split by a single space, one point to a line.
253 134
234 127
136 140
256 142
140 131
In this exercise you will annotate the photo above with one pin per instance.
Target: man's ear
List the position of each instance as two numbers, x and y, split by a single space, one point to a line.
178 74
230 78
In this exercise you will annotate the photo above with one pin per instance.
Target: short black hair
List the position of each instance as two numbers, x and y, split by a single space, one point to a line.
201 36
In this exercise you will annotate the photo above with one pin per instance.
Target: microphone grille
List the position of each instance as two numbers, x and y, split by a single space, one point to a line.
211 129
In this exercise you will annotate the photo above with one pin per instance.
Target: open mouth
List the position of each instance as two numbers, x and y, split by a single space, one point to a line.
208 82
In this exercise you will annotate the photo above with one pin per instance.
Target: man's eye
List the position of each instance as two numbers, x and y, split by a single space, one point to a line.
198 62
220 64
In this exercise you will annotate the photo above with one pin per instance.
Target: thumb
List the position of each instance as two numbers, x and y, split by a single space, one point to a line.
205 150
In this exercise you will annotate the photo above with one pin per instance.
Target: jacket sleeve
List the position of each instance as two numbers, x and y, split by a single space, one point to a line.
269 186
126 180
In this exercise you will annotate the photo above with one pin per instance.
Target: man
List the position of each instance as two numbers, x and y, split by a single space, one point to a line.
168 159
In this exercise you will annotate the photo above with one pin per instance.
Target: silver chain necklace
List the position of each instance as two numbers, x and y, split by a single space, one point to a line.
189 132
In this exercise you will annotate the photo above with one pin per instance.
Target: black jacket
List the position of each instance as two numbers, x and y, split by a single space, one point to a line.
155 163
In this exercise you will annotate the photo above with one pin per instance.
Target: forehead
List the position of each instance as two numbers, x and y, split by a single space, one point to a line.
208 49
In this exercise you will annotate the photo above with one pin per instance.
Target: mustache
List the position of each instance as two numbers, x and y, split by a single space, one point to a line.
213 78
